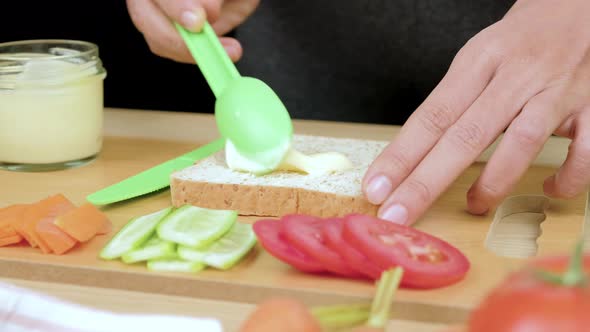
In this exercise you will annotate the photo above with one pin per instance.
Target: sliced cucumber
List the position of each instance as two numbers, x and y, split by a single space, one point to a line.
133 234
154 248
191 254
226 251
174 265
196 227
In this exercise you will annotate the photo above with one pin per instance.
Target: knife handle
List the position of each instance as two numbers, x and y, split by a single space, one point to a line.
211 57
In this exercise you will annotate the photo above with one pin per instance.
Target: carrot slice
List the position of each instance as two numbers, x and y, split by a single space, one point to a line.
6 241
21 228
11 211
107 227
7 230
58 241
82 223
11 218
48 208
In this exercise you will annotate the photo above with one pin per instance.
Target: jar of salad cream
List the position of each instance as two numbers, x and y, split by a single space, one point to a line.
51 104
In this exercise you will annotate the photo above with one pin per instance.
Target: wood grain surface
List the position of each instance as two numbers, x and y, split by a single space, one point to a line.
137 140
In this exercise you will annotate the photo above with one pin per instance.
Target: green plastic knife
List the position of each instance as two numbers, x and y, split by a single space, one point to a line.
153 179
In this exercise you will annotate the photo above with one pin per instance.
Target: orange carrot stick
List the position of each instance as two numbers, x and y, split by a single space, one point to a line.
58 241
11 218
82 223
50 207
6 241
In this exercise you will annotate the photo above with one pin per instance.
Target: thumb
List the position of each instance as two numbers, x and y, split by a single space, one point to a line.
191 14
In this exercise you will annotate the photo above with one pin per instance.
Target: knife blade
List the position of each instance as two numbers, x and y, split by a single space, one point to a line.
153 179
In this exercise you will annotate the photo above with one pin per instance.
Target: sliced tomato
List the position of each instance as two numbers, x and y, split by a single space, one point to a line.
428 261
269 235
332 233
305 234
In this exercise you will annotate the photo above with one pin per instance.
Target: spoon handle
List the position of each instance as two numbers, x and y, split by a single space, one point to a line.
211 57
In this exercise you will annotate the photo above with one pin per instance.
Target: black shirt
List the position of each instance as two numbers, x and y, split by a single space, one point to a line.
347 60
359 60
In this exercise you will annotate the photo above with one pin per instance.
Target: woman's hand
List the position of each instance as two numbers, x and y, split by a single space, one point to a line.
529 74
154 19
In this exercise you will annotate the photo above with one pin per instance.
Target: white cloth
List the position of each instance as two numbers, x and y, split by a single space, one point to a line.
22 310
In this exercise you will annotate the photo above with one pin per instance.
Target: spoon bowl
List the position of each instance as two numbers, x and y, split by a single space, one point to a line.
248 113
252 117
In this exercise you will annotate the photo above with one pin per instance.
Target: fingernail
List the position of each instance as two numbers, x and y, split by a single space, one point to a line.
193 20
475 206
396 213
378 189
549 185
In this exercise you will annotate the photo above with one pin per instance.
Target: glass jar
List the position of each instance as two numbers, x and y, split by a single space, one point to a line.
51 104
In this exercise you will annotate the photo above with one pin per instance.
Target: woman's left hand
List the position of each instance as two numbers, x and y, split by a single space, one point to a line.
529 73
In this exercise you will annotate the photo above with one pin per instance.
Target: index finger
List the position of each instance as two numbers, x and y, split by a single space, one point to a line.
508 92
466 79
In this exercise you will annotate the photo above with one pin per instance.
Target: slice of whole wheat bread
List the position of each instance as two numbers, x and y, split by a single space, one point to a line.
211 184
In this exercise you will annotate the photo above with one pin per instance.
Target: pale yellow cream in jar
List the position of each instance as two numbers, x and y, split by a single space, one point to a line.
51 104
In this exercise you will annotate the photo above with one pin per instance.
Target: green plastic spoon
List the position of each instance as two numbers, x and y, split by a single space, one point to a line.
247 111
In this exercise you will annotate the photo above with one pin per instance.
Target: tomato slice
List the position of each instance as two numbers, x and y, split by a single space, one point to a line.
305 234
270 236
428 261
332 232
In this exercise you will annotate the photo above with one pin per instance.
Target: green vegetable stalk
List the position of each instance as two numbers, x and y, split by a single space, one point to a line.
374 315
574 276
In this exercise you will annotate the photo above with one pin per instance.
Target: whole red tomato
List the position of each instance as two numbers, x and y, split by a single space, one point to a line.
527 302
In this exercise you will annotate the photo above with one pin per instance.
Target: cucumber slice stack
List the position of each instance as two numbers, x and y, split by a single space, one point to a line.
184 239
134 234
196 227
154 248
225 252
174 265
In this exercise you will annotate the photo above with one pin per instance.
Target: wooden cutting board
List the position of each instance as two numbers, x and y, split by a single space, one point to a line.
138 140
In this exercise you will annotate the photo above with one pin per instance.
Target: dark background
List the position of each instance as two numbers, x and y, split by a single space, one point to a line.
346 68
135 77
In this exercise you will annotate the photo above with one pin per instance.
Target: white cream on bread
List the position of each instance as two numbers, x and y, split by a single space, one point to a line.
293 160
318 163
238 162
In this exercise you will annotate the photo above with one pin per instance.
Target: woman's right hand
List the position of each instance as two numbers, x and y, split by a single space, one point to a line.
154 19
